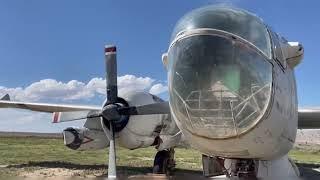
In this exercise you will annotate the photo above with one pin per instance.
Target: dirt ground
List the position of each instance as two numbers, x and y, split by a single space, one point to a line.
39 158
59 170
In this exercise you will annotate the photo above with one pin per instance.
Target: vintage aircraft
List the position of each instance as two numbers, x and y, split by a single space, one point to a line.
232 96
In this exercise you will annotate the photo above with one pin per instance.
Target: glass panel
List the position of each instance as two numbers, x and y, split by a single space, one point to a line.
230 19
218 87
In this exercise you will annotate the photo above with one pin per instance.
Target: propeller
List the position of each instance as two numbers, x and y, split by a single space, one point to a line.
113 110
108 111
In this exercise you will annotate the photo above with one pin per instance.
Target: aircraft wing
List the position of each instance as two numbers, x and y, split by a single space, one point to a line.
44 107
309 118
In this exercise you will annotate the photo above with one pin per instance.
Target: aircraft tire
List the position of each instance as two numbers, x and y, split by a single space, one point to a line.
163 162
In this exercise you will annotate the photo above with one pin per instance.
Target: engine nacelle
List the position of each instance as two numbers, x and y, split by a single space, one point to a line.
142 131
84 139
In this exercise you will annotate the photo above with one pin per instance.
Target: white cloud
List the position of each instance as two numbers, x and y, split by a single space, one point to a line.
50 89
158 89
28 121
128 83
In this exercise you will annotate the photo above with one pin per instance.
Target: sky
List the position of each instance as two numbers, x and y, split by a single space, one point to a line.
52 51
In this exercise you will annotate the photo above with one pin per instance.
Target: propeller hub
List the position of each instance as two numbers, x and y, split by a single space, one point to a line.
110 112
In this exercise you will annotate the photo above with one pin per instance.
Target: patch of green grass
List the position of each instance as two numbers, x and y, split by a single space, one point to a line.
305 156
34 151
16 150
23 150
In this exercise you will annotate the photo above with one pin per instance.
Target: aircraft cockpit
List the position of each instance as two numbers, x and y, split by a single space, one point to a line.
219 70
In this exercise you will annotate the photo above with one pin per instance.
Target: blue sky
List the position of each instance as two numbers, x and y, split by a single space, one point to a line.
63 40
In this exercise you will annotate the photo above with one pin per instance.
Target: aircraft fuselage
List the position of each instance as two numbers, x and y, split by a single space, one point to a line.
232 93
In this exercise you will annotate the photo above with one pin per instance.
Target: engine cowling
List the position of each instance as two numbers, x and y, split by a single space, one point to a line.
141 131
136 132
84 139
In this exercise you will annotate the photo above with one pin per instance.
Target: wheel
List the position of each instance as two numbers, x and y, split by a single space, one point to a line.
212 166
163 162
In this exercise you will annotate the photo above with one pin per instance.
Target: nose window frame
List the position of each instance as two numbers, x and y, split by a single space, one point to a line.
186 35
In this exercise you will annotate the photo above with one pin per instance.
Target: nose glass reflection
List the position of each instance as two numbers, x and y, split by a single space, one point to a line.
219 87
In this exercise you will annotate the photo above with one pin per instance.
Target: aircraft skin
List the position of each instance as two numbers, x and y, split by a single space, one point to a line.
232 95
279 122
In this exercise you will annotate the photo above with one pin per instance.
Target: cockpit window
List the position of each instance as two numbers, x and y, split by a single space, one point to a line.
220 90
233 20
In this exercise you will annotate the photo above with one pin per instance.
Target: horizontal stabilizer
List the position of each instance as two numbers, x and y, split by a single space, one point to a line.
309 118
5 97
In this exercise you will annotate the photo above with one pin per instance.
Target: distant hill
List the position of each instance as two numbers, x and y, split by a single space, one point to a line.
31 134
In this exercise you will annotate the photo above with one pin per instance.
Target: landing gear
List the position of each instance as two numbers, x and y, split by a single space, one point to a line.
243 168
212 166
239 168
164 162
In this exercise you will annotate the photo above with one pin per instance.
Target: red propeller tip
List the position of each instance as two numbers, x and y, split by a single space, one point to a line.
109 49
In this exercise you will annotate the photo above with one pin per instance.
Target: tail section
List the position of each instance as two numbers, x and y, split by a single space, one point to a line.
5 98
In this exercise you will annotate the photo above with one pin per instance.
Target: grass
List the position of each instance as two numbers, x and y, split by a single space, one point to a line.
306 156
31 153
24 150
35 152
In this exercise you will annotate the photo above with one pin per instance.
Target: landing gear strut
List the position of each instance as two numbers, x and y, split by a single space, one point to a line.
212 166
164 162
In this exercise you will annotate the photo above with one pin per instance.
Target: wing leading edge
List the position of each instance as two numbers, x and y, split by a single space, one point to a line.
308 118
61 112
44 107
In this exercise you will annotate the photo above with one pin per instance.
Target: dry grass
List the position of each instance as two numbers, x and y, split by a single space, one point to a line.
22 156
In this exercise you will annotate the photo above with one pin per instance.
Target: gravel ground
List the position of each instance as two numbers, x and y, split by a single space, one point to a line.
64 170
60 170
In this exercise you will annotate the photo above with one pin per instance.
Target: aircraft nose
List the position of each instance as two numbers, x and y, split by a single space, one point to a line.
219 86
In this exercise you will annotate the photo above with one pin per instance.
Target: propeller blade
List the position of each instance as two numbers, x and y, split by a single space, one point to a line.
112 168
112 171
111 73
110 112
156 108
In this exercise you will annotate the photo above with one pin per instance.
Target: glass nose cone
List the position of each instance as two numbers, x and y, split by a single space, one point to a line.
219 87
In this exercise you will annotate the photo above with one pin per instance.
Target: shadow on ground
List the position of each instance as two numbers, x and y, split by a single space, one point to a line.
124 171
308 171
